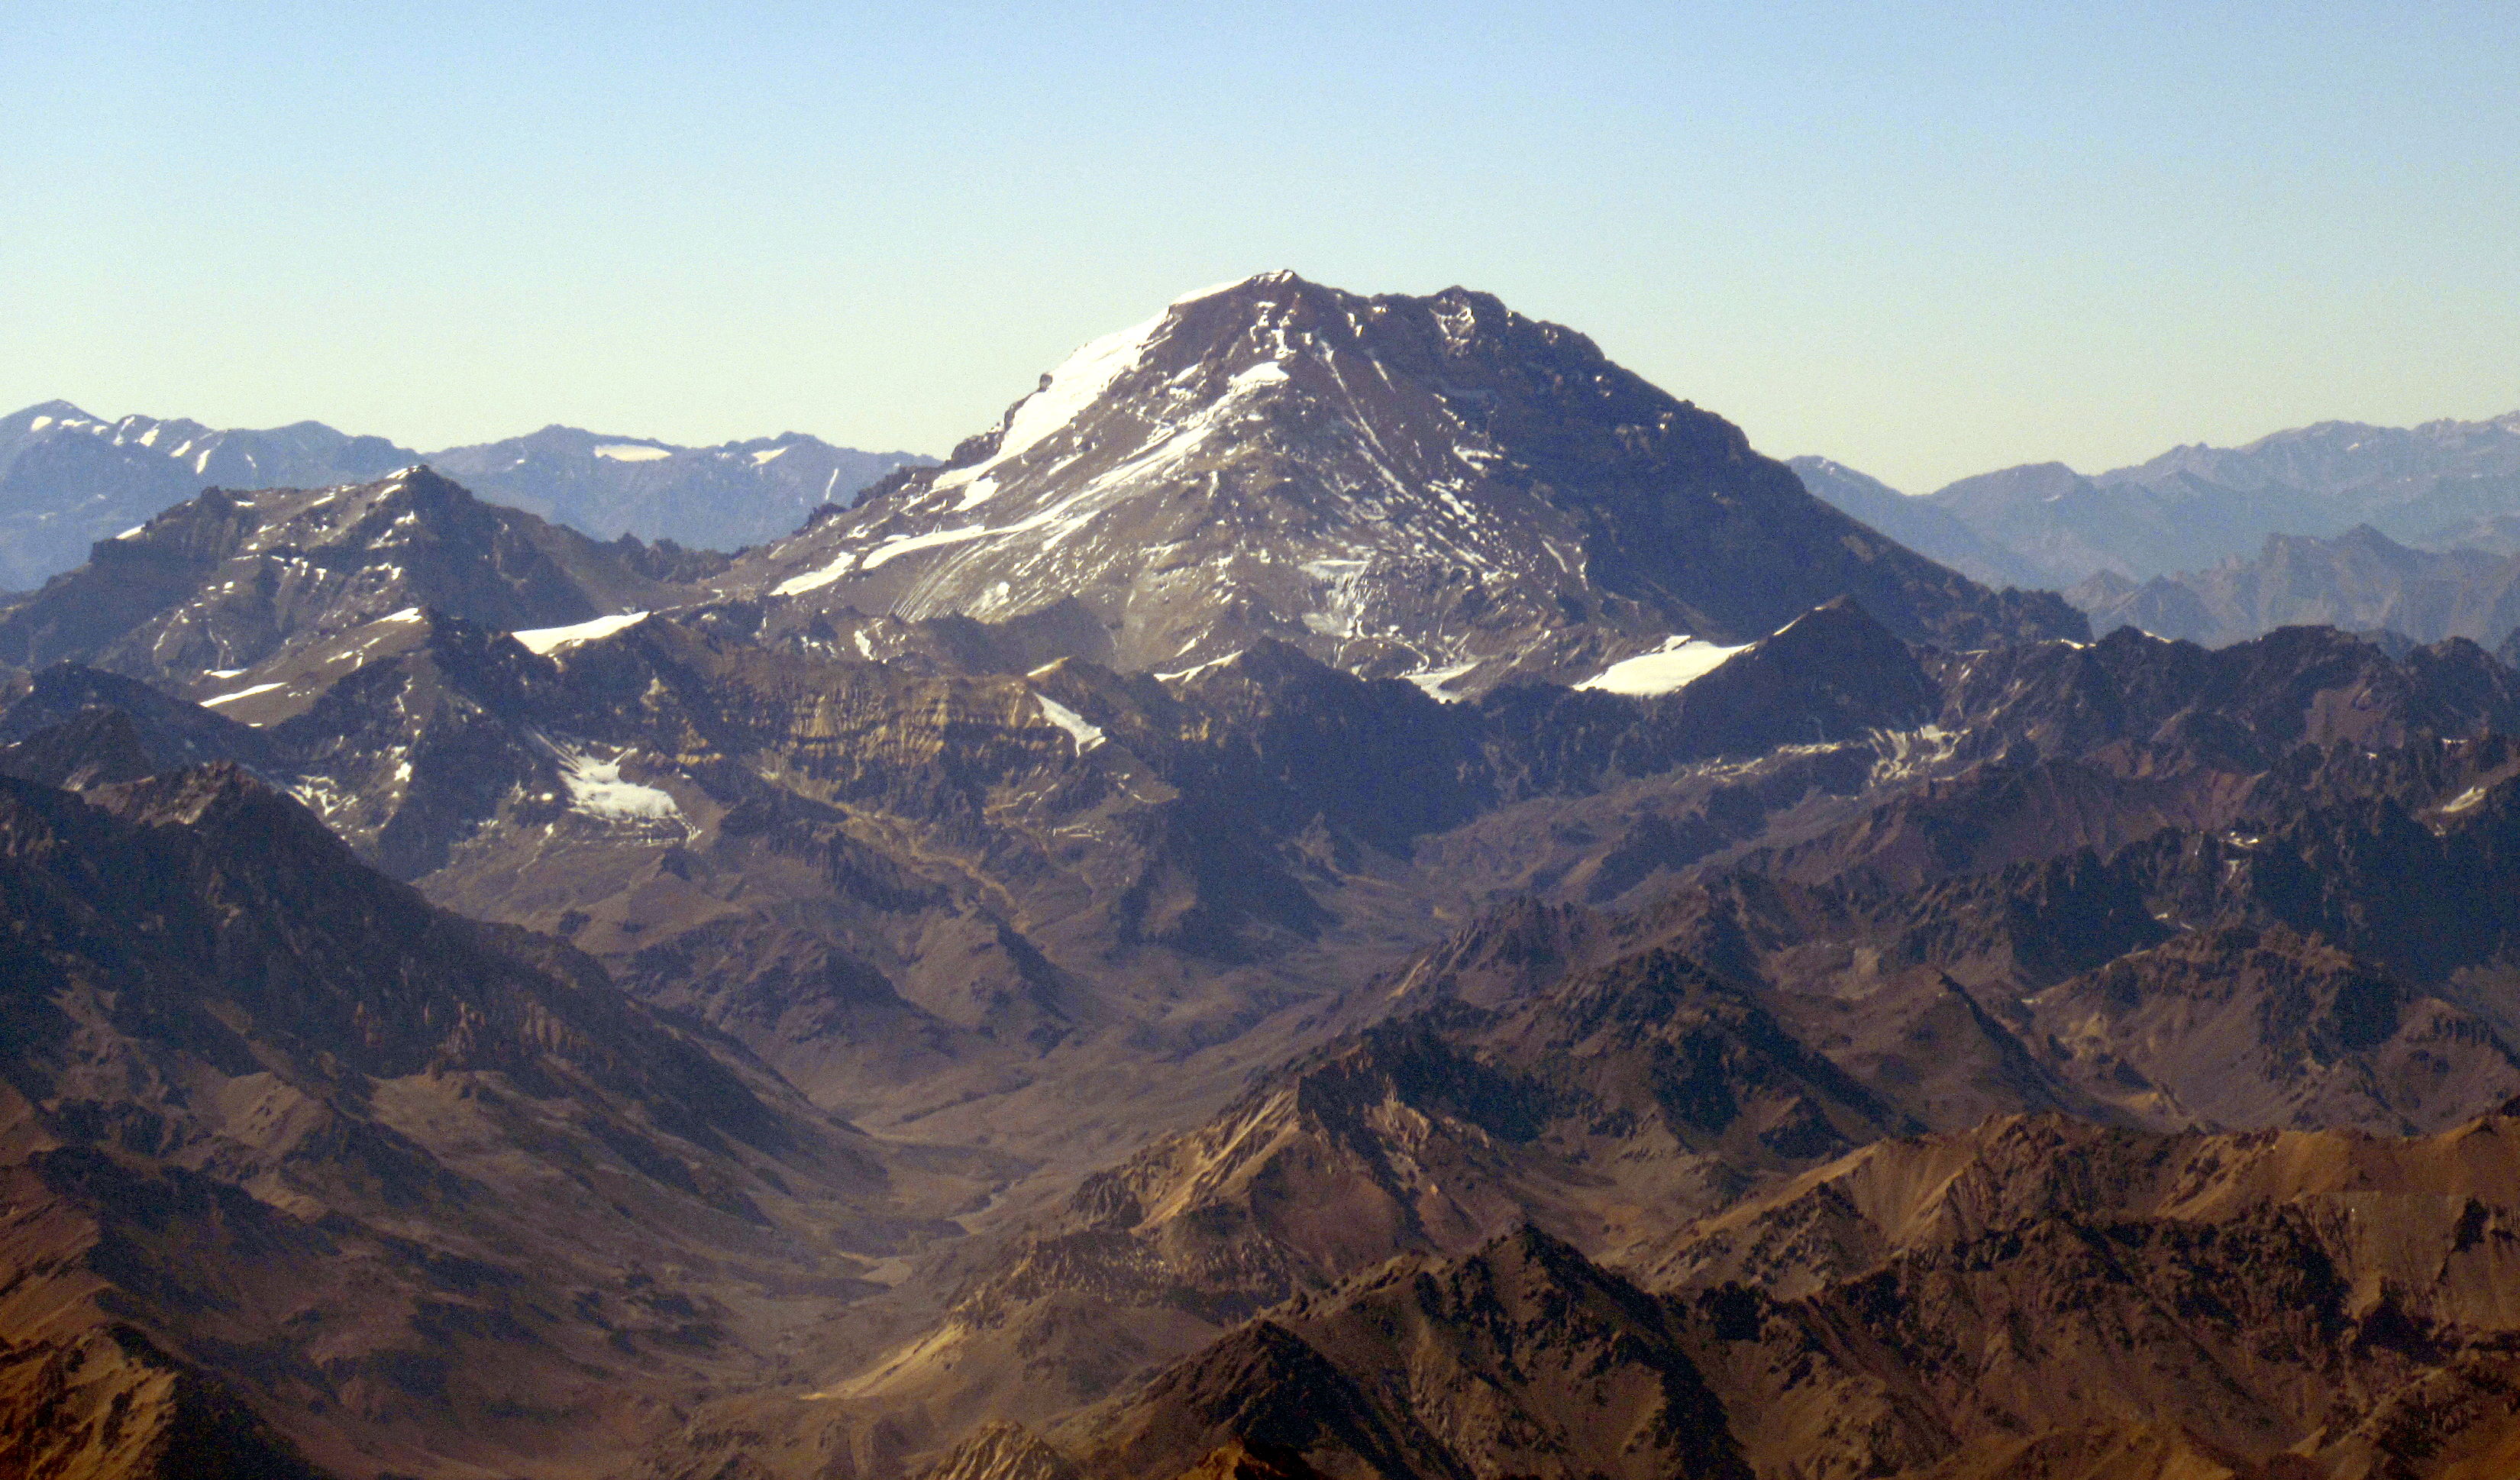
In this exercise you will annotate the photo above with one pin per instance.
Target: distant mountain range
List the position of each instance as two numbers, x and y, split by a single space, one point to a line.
2362 581
2043 524
69 480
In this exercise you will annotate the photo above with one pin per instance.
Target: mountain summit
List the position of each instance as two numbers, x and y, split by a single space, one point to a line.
1434 487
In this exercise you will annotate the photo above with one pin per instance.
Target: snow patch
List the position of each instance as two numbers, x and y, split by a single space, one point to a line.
1680 662
905 544
229 699
1195 669
1086 736
2466 800
632 452
1074 385
595 789
550 639
39 424
134 529
1431 681
770 455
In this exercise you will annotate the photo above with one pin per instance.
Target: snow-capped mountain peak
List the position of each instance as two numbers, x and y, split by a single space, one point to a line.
1398 485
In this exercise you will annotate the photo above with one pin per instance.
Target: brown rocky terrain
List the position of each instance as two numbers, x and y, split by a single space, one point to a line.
283 1140
2035 1296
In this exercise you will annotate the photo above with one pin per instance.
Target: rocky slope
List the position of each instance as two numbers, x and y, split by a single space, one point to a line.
2135 927
1834 889
1435 487
424 1194
2031 1298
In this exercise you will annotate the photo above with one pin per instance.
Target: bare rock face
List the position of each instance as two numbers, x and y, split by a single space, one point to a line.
1004 1452
2287 1302
107 1405
1435 487
2031 1298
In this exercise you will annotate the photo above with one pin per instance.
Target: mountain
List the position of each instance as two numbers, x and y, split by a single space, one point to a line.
1234 986
1519 1359
306 1171
69 480
2359 580
2400 465
483 1000
703 498
2444 485
2371 1262
2240 944
199 595
2067 526
1434 487
2031 1298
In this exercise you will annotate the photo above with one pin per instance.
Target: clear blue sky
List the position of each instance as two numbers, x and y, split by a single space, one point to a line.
1925 240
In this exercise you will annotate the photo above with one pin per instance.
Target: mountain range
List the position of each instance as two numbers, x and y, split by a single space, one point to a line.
2438 485
69 480
2361 580
1351 891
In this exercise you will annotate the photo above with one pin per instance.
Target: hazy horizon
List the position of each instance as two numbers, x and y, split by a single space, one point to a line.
1926 244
